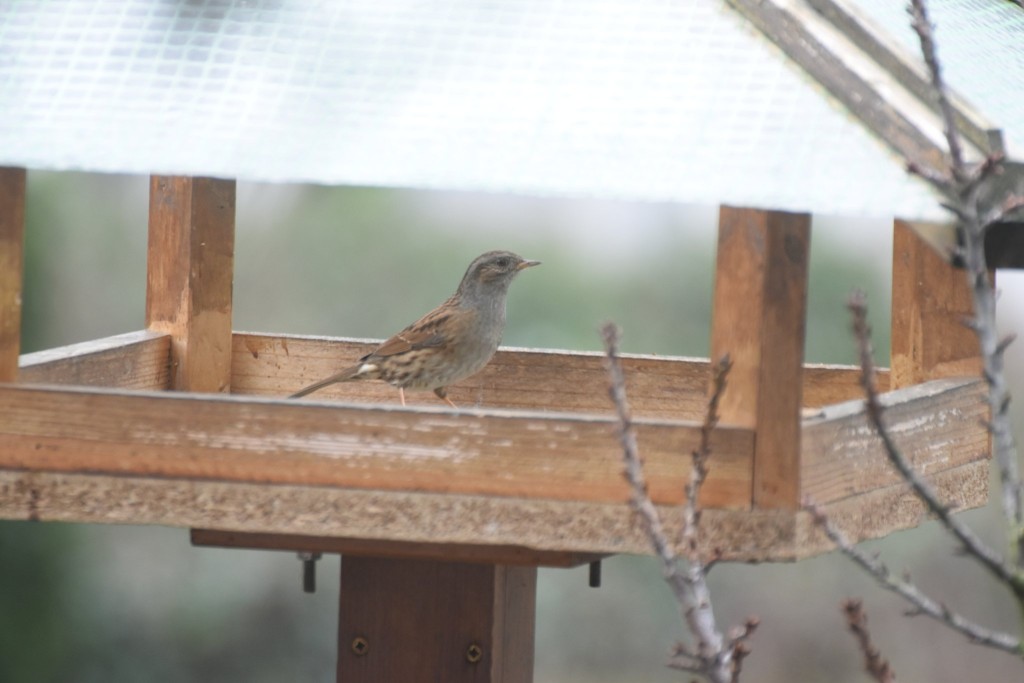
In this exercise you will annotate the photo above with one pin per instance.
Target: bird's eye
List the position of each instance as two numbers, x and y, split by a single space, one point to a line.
503 262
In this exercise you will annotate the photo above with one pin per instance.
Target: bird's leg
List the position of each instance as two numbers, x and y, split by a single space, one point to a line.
401 395
442 393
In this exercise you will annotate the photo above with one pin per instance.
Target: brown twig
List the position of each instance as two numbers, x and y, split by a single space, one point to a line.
905 588
874 663
966 204
699 463
920 23
717 657
972 545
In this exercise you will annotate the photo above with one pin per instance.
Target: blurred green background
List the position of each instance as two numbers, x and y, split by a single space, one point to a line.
102 603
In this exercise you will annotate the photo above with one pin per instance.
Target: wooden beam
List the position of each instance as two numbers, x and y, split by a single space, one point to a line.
882 511
544 525
134 360
660 387
12 248
907 68
910 126
230 438
938 426
400 619
930 301
190 269
759 319
363 547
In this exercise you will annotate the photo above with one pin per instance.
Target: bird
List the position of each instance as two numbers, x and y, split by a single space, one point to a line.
448 344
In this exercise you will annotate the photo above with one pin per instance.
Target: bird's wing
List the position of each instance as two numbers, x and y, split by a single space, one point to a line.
424 333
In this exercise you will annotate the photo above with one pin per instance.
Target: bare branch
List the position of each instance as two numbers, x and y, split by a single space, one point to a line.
699 468
921 24
971 544
937 179
874 663
922 604
715 656
974 222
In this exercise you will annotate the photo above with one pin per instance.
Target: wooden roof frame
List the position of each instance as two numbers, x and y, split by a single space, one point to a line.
183 424
872 75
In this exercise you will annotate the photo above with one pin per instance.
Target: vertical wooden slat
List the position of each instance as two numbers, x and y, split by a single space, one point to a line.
190 269
759 319
930 301
12 248
413 620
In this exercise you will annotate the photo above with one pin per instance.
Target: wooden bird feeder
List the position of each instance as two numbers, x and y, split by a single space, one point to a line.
443 516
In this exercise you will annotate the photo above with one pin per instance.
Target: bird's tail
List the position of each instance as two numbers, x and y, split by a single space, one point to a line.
343 376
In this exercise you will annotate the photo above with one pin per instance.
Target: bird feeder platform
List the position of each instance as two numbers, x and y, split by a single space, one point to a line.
185 424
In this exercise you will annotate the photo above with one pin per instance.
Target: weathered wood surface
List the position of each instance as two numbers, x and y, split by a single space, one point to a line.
417 518
880 512
362 547
189 277
659 387
930 302
938 425
438 621
758 319
134 360
228 438
530 379
12 248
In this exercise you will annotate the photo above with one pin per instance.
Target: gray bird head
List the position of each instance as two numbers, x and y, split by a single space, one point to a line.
491 273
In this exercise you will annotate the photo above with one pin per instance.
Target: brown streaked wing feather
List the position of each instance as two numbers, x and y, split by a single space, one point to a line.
422 334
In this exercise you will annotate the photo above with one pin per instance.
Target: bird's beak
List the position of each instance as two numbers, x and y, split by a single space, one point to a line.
527 264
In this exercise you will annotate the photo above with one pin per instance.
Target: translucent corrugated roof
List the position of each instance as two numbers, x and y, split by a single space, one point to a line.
643 100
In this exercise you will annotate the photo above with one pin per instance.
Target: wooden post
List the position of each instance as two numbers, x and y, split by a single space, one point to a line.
759 319
414 620
930 301
12 241
190 269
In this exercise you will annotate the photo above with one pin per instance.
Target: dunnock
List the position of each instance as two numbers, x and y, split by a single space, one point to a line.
455 340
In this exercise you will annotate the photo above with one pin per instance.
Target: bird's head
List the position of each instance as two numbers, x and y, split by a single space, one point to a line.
495 269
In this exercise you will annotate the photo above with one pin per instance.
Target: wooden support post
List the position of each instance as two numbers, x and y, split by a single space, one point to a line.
12 241
930 301
190 269
420 621
759 319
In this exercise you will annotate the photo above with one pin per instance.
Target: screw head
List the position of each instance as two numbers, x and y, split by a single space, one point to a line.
474 653
360 646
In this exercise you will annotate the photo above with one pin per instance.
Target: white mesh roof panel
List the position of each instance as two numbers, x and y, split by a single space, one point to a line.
644 100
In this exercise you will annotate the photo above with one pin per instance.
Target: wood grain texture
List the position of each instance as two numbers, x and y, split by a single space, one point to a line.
759 318
230 438
134 360
531 379
828 384
880 512
554 525
12 249
418 620
362 547
938 426
659 387
930 301
189 277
